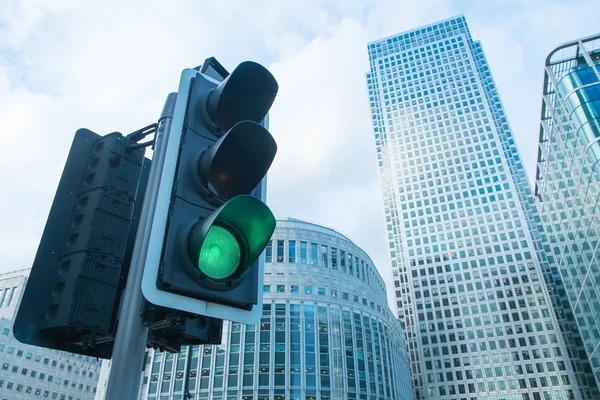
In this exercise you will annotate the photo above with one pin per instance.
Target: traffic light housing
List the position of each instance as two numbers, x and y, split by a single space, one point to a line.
211 224
72 295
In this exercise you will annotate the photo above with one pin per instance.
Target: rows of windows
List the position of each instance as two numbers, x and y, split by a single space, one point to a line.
321 291
34 391
432 32
307 347
309 253
26 372
68 366
567 184
448 166
6 296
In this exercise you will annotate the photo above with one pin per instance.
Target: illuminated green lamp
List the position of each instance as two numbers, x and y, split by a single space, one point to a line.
225 244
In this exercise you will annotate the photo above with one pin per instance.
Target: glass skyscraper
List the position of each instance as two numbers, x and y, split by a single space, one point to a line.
479 300
326 332
568 179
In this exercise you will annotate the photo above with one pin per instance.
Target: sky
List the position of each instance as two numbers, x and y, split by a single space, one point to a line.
109 65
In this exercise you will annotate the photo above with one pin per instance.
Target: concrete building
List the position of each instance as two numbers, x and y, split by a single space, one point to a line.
326 332
568 179
30 372
475 292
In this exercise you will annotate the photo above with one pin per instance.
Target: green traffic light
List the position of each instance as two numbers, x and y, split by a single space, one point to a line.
222 246
220 254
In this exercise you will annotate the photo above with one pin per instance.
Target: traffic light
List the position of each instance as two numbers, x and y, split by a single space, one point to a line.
72 295
211 225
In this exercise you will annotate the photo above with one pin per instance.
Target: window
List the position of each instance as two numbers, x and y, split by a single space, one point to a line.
324 259
350 269
292 251
5 331
269 252
10 295
294 289
266 288
303 252
280 288
307 290
321 291
280 250
334 263
314 257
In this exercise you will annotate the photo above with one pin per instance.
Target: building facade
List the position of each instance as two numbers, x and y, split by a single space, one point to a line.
568 179
477 296
326 332
30 372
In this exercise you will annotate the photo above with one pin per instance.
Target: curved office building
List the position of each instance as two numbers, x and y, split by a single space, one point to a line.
326 332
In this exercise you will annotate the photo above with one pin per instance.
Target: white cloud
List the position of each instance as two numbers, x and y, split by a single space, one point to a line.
109 65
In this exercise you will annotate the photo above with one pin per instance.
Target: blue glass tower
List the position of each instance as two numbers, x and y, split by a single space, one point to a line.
480 301
568 179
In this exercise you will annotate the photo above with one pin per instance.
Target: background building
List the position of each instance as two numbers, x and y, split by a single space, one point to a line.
30 372
326 332
474 288
568 179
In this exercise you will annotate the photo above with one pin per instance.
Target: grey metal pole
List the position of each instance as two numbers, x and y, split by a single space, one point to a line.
130 341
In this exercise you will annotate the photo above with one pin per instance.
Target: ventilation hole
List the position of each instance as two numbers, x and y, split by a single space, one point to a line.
78 220
52 311
83 202
72 240
89 179
64 267
98 147
59 288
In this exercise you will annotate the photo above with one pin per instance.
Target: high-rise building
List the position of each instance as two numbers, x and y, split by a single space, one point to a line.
475 292
326 332
30 372
568 179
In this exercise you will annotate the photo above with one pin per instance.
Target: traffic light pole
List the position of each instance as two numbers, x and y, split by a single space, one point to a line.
130 341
